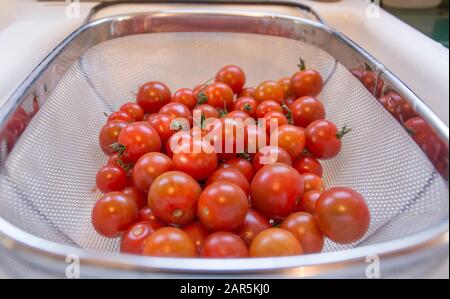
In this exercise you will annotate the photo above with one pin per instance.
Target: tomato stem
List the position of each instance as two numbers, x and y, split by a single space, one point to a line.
106 114
344 131
288 113
302 64
247 107
201 98
244 155
118 148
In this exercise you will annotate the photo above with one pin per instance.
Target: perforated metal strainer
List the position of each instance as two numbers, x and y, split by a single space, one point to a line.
49 158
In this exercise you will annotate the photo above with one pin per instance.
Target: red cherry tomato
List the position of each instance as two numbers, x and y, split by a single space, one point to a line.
219 95
223 245
308 164
185 96
275 190
275 242
286 84
134 239
146 214
270 155
122 116
134 110
207 110
247 92
308 202
269 90
111 178
242 165
230 175
177 110
323 140
247 105
306 83
233 76
255 138
254 223
109 135
148 168
152 96
342 215
304 228
138 139
274 119
266 107
163 124
169 242
195 157
305 110
173 197
197 232
238 114
174 141
114 213
222 206
312 182
401 109
137 196
290 138
228 137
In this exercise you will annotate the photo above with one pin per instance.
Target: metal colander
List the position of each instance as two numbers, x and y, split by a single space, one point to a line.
47 181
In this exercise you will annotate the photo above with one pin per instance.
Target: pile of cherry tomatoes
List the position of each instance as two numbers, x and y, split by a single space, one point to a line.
255 199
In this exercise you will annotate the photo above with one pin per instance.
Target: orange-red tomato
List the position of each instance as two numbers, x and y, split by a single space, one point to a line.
266 107
323 140
242 165
230 175
275 242
290 138
305 110
247 105
274 120
148 168
109 135
254 223
136 195
303 226
219 95
286 84
247 92
223 245
153 95
111 178
138 139
146 214
269 90
306 83
308 164
121 115
185 96
312 182
197 232
233 76
134 239
177 110
270 155
308 202
134 110
169 242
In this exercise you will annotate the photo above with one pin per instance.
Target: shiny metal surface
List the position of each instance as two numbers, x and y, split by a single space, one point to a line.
43 249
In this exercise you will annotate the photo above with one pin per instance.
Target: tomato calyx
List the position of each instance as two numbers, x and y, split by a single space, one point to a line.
344 131
247 107
202 98
302 64
118 148
288 113
245 156
177 126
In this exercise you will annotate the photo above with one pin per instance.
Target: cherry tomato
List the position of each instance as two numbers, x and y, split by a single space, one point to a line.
152 96
207 110
173 197
342 215
109 135
222 206
228 137
308 164
372 82
275 190
111 178
139 197
312 182
148 168
323 140
134 110
255 138
174 141
219 95
247 92
273 120
162 123
286 84
197 232
114 213
233 76
223 245
289 101
138 139
185 96
269 90
242 165
247 105
238 114
305 110
254 223
230 175
177 110
134 239
266 107
401 109
304 228
306 83
114 160
120 115
169 242
270 155
275 242
146 214
199 89
308 202
195 157
290 138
